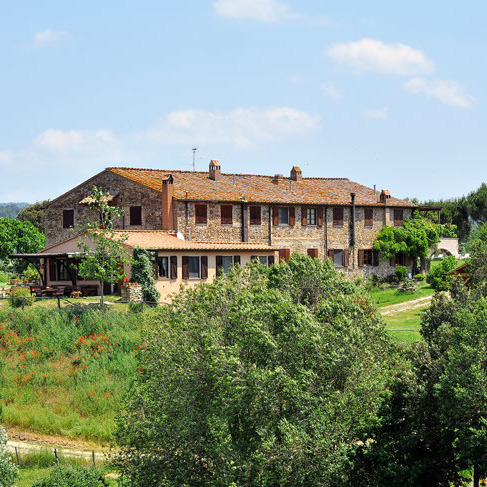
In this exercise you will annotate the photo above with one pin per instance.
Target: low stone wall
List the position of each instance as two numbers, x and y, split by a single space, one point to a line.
132 293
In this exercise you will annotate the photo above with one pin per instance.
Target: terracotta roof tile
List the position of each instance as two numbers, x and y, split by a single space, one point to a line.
193 185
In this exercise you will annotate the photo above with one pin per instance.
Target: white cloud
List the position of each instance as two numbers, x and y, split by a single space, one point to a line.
376 56
330 91
263 10
377 113
242 127
447 91
5 157
49 37
74 140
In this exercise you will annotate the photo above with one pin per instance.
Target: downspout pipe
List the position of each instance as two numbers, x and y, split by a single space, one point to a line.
352 233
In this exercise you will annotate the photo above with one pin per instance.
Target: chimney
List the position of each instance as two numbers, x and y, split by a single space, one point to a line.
167 203
215 171
296 174
384 196
278 179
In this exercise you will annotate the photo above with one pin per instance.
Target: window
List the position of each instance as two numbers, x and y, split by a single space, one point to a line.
340 257
255 215
194 267
338 217
226 214
313 253
135 215
283 215
225 262
311 216
62 273
201 214
368 217
398 218
368 256
68 218
163 267
266 260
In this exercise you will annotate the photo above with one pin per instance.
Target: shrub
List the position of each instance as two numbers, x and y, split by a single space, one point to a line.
74 477
401 272
3 277
419 277
437 278
143 273
8 470
17 295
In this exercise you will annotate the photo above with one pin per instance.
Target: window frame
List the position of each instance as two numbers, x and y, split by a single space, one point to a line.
198 257
281 211
312 213
368 257
168 268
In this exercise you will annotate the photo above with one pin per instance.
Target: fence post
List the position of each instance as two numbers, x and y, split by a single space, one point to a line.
59 302
57 458
17 454
93 455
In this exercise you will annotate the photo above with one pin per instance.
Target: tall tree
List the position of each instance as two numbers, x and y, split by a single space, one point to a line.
35 214
104 255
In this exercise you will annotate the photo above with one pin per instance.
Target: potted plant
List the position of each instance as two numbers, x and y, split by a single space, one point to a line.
14 280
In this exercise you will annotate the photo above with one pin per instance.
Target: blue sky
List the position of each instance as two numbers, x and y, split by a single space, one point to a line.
380 92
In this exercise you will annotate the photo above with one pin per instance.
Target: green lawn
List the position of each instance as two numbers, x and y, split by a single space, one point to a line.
386 296
404 325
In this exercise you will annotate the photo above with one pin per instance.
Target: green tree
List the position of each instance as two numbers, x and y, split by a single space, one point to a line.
477 263
35 214
437 278
143 273
104 254
245 382
18 237
8 470
415 238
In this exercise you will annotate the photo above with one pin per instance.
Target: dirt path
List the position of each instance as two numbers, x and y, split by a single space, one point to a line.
413 304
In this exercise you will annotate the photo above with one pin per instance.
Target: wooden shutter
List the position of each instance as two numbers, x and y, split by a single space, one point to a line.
52 270
275 216
219 265
375 258
338 217
361 257
330 253
174 266
284 255
155 268
346 257
270 260
398 218
319 216
201 214
392 261
185 273
204 267
304 216
236 259
368 217
292 216
226 214
255 215
313 253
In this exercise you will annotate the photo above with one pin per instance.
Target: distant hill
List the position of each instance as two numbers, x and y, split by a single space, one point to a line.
11 210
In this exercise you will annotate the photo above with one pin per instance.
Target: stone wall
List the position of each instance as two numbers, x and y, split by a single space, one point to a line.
129 194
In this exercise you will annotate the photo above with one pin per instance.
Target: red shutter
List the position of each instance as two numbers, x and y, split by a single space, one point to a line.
338 217
226 212
270 260
236 259
330 254
219 265
185 267
313 253
368 217
398 218
201 214
304 220
346 257
375 258
255 215
284 255
275 216
204 267
361 257
292 216
174 266
319 217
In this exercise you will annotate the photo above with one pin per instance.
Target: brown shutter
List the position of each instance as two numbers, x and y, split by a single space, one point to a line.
392 261
255 215
275 215
226 214
330 254
375 258
201 214
304 219
284 255
346 258
319 216
236 259
292 216
270 260
185 267
174 266
313 253
204 267
368 217
156 269
360 257
219 265
398 218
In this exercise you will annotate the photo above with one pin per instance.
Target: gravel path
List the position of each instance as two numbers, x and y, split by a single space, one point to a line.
413 304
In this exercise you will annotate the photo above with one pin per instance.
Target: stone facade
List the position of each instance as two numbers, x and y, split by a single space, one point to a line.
128 193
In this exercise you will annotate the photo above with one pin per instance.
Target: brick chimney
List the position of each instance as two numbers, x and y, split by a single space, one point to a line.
215 171
167 203
384 196
296 174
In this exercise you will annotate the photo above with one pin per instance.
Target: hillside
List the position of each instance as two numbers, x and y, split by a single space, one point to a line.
11 210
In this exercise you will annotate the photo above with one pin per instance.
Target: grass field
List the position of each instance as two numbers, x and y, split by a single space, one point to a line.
386 296
404 325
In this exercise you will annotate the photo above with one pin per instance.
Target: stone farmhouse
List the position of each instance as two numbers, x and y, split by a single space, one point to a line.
228 218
